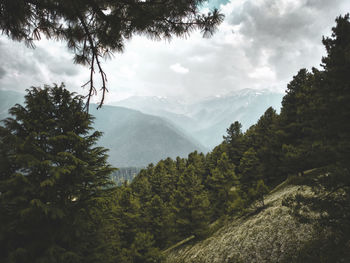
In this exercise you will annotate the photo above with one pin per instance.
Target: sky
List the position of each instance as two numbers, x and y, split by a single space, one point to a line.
260 45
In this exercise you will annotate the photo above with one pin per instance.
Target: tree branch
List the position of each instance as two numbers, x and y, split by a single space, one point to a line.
95 56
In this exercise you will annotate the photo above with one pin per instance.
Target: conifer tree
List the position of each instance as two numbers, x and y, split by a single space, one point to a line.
54 181
260 191
136 244
295 124
235 142
159 220
330 139
263 138
334 93
191 204
250 171
219 183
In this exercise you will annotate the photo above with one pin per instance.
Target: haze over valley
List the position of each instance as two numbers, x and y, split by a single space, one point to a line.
207 120
147 129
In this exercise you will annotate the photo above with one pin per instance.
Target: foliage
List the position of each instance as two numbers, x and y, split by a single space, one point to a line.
330 134
234 140
53 184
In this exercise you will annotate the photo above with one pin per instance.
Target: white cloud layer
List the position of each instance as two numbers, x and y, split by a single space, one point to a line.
261 44
179 69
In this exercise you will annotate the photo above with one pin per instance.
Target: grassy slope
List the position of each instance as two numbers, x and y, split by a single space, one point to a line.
271 235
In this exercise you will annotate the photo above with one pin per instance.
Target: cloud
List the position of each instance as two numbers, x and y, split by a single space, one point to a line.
263 73
261 44
290 30
216 3
179 69
2 72
48 63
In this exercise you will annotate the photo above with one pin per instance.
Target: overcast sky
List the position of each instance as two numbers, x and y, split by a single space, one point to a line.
260 45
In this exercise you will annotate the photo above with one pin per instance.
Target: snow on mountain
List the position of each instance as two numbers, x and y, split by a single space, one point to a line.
207 120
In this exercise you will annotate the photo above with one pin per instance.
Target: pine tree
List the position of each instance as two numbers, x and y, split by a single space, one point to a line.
330 129
191 204
263 138
334 94
219 183
54 181
159 220
250 171
260 191
235 142
295 124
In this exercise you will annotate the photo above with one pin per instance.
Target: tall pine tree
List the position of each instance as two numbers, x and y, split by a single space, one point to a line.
53 184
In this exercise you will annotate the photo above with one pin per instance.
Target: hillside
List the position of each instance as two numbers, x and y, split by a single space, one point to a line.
270 235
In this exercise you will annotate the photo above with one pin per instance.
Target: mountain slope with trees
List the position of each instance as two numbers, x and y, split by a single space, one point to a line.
268 235
188 199
308 140
49 164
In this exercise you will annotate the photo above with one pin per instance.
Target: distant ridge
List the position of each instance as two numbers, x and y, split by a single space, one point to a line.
137 139
207 120
134 139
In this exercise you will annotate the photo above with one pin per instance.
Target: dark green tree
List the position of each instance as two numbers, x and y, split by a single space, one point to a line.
330 132
334 94
219 183
296 131
250 171
159 220
260 191
235 142
94 29
135 242
191 205
263 138
143 249
197 160
53 184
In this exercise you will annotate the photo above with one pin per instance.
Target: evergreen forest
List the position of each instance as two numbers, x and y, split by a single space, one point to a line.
59 204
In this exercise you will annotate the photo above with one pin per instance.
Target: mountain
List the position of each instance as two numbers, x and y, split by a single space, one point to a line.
182 128
134 139
137 139
153 104
215 115
207 120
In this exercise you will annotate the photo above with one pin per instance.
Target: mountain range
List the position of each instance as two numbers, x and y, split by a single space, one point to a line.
207 120
137 139
141 130
134 139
